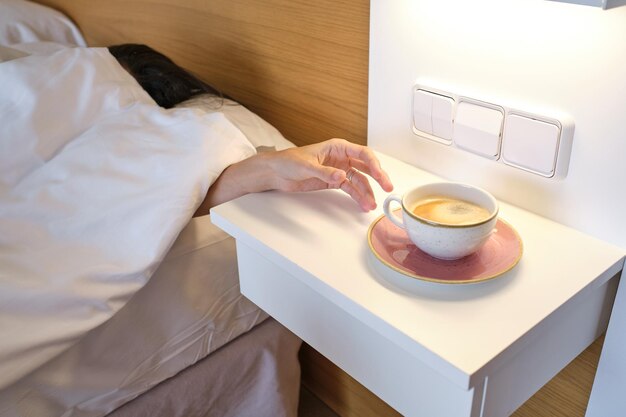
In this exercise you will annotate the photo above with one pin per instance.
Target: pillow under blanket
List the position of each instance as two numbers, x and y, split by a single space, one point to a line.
96 182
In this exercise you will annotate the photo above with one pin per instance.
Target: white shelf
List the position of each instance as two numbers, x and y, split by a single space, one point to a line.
464 334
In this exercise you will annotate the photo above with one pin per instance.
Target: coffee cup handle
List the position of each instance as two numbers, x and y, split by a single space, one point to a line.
386 208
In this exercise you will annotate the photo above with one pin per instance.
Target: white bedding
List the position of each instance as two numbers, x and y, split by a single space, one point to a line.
96 182
262 135
24 21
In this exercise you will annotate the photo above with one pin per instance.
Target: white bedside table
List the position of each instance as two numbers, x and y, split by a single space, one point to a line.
447 350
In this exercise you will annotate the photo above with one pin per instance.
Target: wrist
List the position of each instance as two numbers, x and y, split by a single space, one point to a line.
256 173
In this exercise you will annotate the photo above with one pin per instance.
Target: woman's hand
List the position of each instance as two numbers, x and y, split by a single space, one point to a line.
335 163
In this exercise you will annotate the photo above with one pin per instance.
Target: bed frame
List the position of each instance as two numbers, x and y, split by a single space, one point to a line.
303 66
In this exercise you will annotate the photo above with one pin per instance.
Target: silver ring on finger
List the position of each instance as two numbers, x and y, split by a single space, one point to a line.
350 173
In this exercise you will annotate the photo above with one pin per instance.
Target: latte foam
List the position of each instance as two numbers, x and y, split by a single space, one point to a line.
450 211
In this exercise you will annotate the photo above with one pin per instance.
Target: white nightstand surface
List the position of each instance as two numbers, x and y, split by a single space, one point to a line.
463 332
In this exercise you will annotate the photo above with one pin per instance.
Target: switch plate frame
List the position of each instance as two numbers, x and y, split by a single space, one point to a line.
556 117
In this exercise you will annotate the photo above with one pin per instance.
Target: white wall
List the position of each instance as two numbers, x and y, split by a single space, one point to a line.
520 53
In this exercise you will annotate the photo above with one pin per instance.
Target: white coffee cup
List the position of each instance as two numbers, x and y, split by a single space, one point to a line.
459 230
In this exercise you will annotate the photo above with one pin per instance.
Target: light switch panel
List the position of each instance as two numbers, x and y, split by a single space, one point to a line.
536 140
531 144
478 127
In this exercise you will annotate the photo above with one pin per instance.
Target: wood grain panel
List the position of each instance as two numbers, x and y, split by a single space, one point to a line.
301 65
342 393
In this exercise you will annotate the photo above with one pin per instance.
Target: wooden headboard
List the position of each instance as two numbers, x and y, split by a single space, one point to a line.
300 64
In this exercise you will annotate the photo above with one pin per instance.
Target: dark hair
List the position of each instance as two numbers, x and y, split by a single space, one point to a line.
167 83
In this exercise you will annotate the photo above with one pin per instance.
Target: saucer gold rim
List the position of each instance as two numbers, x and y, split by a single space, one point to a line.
443 281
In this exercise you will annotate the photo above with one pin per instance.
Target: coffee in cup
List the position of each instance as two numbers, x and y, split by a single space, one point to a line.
446 220
451 211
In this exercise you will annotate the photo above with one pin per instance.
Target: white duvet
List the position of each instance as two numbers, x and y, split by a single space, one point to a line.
96 182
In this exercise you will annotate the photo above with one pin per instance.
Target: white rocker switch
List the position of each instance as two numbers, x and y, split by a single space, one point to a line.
477 129
442 116
531 144
422 111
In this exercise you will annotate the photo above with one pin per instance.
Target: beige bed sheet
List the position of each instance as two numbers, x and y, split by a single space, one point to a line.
191 307
256 375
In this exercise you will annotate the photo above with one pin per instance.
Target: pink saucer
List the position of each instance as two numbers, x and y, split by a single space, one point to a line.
392 247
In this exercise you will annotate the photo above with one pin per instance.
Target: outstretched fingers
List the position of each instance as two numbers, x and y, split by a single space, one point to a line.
359 188
336 163
364 159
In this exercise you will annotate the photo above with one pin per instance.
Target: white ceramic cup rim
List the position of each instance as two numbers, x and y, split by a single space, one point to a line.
441 191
